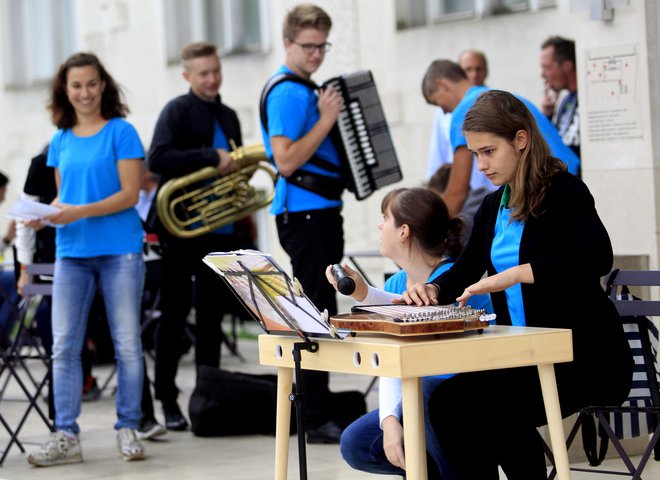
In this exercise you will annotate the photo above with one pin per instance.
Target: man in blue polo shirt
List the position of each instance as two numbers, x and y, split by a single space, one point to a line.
446 85
307 203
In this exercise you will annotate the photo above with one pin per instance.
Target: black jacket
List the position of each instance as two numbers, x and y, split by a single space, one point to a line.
40 182
183 138
569 251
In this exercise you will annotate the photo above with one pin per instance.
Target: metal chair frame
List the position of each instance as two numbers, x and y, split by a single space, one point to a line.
619 280
14 358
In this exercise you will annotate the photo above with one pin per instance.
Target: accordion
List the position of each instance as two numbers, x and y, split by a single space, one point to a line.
368 150
404 320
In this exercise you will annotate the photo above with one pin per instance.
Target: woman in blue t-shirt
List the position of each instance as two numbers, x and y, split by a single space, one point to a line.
96 155
418 235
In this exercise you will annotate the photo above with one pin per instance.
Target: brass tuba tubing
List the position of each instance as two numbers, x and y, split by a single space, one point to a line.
203 201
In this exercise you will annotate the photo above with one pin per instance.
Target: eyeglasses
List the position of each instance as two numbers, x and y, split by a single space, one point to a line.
309 48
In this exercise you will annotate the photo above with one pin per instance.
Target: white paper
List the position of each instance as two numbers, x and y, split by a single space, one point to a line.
25 209
276 301
305 315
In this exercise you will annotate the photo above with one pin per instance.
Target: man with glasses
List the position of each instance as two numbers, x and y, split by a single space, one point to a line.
296 123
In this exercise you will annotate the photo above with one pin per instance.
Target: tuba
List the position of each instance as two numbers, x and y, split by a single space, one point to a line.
203 201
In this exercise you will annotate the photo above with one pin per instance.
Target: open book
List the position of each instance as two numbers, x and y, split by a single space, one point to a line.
276 302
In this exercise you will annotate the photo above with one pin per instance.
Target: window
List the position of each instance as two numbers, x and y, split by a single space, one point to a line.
38 36
235 26
415 13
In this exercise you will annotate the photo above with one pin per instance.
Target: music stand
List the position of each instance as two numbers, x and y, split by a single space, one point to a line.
280 307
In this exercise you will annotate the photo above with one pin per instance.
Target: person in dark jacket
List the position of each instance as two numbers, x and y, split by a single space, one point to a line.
544 248
193 131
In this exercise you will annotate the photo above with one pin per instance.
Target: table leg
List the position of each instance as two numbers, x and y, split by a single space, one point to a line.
414 436
555 425
283 422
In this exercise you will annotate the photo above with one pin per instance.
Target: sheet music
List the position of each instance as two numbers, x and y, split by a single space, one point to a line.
300 314
273 299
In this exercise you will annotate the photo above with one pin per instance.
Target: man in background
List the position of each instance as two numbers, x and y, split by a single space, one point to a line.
475 66
560 102
446 85
441 152
193 131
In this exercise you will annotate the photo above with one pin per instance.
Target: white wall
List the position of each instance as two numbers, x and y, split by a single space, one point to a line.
129 37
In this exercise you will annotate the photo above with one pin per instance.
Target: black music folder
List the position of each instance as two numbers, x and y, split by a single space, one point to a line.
275 301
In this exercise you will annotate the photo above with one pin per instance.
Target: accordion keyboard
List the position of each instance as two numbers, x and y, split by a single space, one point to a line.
365 136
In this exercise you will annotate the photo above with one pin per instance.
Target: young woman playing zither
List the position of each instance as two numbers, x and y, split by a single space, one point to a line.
544 248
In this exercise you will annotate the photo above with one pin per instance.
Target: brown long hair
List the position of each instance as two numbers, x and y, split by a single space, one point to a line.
63 114
502 114
427 216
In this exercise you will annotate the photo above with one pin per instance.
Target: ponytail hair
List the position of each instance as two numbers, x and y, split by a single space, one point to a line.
427 216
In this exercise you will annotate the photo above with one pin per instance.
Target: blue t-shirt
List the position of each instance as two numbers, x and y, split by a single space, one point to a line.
456 136
220 141
505 254
477 179
88 170
292 111
397 284
548 131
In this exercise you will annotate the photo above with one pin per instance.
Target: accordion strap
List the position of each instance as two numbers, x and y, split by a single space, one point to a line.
323 185
328 187
272 83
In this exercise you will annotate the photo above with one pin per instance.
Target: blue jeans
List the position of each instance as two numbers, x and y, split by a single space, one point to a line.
120 279
361 443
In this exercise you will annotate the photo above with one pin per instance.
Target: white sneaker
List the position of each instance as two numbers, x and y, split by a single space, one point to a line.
150 429
60 449
128 444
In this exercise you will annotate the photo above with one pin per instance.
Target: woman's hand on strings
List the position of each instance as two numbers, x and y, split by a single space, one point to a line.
420 294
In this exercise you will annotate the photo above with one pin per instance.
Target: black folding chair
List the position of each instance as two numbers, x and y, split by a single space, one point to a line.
24 348
643 402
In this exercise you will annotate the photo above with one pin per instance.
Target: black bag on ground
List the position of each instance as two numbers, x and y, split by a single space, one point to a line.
347 406
230 403
227 403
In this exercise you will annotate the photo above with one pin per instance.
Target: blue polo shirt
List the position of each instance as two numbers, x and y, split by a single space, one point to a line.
220 141
505 253
292 112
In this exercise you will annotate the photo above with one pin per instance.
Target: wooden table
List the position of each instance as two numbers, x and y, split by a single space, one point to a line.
412 358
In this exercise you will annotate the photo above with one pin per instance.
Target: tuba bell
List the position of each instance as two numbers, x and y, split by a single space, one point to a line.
203 201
